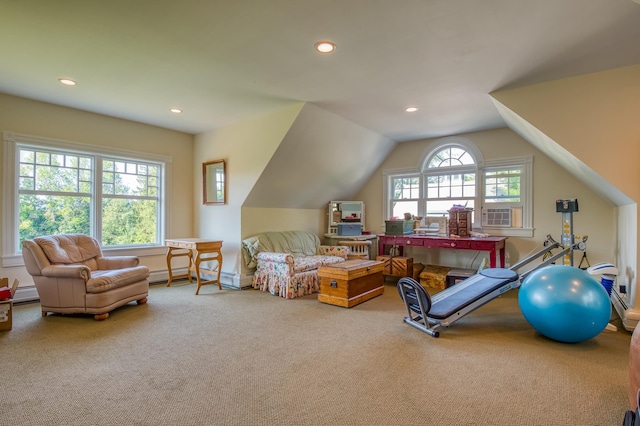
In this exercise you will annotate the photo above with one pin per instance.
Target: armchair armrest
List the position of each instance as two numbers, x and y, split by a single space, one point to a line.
340 251
67 271
117 262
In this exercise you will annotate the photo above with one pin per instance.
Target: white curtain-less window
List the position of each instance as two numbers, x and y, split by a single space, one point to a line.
405 195
57 187
450 176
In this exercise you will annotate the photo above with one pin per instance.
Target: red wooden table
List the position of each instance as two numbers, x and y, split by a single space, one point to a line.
494 245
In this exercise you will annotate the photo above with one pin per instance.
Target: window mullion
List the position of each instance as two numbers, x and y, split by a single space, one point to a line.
96 200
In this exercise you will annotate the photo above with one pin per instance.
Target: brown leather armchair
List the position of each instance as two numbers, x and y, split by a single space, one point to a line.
72 276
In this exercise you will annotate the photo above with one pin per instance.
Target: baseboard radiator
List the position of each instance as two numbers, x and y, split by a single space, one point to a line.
628 314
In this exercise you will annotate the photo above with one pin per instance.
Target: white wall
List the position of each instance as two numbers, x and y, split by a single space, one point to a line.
247 147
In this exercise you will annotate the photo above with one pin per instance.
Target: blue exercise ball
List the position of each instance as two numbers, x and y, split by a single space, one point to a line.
564 303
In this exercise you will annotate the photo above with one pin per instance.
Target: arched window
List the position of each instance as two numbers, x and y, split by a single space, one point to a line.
450 156
450 177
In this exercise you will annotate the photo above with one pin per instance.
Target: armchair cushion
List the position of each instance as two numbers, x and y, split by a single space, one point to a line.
106 280
70 249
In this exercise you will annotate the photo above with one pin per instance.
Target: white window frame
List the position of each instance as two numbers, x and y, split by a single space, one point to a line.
390 188
526 185
526 196
12 256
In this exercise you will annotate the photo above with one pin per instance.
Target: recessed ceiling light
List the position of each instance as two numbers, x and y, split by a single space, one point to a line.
67 81
325 47
176 110
411 109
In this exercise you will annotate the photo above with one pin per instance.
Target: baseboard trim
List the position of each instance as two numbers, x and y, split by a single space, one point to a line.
227 279
26 294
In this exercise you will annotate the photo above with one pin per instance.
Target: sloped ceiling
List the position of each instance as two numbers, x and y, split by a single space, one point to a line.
588 124
323 157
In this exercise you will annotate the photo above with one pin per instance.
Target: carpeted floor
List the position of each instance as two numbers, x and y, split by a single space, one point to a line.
248 358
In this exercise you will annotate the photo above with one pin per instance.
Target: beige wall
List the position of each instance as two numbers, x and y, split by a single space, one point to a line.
40 119
551 182
247 147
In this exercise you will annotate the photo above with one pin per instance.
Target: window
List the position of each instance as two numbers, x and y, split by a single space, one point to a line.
450 176
453 172
405 196
130 202
503 203
502 185
61 187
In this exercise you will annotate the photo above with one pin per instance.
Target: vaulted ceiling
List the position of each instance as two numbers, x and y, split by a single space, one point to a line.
224 61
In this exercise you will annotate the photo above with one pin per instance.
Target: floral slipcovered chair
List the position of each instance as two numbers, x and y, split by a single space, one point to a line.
287 262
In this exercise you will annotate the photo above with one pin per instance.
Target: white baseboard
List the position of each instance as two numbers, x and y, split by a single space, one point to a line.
228 280
246 280
26 294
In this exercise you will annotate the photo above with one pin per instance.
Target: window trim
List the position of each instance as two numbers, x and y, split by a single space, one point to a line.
526 190
13 258
526 196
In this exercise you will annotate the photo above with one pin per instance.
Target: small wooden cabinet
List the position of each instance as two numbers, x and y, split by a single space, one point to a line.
460 222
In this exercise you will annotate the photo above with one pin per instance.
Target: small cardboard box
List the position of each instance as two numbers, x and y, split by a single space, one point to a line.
6 305
349 229
398 227
434 276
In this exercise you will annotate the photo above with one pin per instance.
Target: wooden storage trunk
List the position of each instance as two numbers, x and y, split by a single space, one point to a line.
397 266
349 283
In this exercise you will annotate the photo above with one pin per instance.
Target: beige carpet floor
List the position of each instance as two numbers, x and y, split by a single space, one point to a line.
234 357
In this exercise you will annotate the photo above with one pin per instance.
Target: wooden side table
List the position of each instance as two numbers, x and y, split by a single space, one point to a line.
197 250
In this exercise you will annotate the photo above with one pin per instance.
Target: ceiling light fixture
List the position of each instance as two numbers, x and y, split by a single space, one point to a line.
325 47
411 109
67 81
176 110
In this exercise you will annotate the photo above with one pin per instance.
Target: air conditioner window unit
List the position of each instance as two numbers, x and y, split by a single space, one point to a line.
496 217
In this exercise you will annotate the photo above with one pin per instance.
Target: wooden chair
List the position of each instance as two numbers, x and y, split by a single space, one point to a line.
357 249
